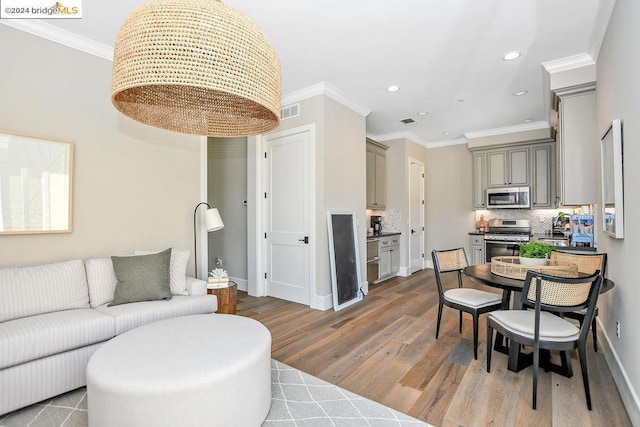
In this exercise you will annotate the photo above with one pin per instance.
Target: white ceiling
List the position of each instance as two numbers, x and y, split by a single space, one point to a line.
445 55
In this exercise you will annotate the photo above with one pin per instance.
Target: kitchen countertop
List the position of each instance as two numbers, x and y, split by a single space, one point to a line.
383 234
475 233
565 248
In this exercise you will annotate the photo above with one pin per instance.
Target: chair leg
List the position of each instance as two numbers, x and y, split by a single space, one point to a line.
475 336
460 322
439 319
536 363
565 358
595 334
582 352
489 345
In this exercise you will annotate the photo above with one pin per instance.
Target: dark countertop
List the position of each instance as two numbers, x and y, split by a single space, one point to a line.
476 233
383 234
565 248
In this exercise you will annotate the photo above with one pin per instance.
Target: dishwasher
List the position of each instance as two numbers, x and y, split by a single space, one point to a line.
373 260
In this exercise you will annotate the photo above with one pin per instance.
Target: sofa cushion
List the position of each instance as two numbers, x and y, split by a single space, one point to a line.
101 280
27 291
177 270
129 316
142 277
42 335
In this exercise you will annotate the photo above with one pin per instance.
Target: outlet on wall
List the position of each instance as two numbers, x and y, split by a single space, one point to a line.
618 328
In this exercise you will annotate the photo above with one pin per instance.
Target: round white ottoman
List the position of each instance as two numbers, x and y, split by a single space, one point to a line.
203 370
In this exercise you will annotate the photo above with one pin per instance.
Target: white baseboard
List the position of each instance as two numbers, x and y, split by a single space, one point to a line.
404 272
322 302
243 284
430 263
620 377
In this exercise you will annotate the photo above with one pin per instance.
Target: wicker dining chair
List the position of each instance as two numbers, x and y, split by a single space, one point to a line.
472 301
543 327
587 263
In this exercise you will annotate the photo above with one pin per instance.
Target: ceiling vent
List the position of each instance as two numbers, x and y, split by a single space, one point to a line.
408 121
290 111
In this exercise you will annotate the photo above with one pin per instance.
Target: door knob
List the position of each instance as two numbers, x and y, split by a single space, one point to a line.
413 231
305 240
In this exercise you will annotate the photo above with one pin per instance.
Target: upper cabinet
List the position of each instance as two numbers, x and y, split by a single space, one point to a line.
516 165
376 175
508 167
576 163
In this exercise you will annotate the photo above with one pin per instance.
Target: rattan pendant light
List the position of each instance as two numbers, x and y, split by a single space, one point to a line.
198 67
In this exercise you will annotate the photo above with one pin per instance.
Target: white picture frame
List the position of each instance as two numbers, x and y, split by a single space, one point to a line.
344 259
612 175
36 177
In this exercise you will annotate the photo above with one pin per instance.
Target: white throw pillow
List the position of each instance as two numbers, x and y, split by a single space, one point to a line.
177 269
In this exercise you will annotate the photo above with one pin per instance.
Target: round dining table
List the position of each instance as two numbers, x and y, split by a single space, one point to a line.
517 360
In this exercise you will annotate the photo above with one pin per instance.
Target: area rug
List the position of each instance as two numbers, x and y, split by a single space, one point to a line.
297 400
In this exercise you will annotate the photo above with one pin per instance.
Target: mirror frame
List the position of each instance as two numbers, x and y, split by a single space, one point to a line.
612 184
36 182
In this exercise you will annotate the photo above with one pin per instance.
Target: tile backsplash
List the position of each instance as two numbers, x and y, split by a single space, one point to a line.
390 219
540 218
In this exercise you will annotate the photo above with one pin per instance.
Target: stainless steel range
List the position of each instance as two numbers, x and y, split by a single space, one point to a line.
505 236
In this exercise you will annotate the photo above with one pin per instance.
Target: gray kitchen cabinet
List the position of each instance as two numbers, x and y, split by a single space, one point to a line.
477 249
508 167
389 257
479 181
376 175
577 147
543 174
523 164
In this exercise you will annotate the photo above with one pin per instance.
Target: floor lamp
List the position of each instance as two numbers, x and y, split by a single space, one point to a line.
213 222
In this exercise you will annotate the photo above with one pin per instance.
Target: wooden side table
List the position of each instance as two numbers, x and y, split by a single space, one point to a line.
226 298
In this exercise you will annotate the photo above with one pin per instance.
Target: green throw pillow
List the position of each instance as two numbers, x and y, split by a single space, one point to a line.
142 277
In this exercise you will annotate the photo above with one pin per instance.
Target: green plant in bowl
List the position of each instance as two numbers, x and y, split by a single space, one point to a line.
535 249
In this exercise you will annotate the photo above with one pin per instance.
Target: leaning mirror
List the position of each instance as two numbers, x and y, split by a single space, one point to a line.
612 181
35 185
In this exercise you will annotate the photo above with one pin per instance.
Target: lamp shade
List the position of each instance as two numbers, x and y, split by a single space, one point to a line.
198 67
213 220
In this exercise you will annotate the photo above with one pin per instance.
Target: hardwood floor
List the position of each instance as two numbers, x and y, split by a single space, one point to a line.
384 348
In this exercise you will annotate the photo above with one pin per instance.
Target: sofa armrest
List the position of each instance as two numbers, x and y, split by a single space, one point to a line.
196 286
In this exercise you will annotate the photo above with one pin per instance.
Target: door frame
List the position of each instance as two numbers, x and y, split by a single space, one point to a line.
256 218
422 218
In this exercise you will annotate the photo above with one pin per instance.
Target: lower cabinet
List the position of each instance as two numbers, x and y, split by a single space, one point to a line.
477 250
389 257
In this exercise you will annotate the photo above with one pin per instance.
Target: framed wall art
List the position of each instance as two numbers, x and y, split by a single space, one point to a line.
36 176
612 181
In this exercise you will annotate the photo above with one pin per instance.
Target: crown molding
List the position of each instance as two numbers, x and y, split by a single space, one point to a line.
507 129
568 63
398 135
326 89
448 143
63 37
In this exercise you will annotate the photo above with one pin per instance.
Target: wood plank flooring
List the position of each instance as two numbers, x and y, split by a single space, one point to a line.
384 348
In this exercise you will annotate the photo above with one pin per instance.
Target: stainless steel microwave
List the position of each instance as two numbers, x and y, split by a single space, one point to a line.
508 198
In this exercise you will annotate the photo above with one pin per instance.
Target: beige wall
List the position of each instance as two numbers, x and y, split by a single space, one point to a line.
226 190
134 187
617 97
449 200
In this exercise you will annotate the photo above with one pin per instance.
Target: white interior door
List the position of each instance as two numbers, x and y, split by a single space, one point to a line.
287 200
416 215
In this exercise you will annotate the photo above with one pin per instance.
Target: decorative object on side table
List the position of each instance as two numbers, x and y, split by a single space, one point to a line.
218 284
535 253
218 278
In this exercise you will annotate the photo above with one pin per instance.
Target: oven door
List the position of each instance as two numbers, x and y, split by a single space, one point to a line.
497 248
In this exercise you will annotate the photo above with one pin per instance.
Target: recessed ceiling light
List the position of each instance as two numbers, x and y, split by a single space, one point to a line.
520 93
422 113
393 88
446 133
528 120
510 56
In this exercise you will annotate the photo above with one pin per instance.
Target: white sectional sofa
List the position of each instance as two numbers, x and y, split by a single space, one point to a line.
53 317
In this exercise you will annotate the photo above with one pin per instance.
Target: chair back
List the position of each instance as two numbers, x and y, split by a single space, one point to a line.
449 260
587 263
562 294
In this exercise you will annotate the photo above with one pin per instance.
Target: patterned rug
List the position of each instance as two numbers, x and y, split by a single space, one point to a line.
297 399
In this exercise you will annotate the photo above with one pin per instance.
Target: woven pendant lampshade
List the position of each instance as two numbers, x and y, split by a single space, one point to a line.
198 67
